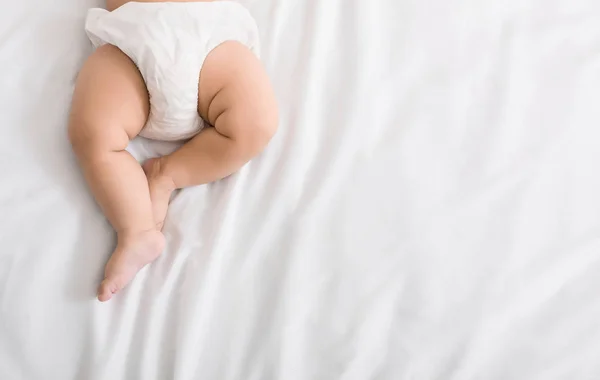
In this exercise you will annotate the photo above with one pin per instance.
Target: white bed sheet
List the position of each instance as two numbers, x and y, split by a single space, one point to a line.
430 208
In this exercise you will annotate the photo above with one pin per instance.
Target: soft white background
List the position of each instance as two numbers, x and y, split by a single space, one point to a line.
430 208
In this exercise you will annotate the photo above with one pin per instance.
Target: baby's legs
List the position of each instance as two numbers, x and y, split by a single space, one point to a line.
110 107
235 96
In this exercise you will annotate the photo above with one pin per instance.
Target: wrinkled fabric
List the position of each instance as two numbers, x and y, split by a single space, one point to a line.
429 208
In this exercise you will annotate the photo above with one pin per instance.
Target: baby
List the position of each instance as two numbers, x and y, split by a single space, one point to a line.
169 71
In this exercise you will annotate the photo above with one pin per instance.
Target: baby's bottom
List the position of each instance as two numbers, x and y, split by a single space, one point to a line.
110 107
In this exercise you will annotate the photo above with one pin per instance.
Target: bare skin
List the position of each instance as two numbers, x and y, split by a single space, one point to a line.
110 107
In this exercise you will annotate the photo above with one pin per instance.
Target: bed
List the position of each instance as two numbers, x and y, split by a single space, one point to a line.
429 209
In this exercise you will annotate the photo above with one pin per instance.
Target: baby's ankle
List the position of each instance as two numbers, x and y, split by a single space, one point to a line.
128 234
156 171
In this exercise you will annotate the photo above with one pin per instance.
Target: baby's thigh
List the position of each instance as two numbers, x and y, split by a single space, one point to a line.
233 81
110 100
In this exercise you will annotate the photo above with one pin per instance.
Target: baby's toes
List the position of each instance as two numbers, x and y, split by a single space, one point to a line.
107 288
104 291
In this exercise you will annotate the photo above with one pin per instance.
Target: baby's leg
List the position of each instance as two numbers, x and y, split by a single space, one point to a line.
235 96
110 106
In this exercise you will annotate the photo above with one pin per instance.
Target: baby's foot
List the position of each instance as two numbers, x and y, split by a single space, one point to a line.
133 252
161 187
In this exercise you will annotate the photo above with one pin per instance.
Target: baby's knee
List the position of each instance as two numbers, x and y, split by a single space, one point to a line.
253 130
262 128
88 137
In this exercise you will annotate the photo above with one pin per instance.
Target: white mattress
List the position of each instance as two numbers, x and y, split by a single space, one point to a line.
430 208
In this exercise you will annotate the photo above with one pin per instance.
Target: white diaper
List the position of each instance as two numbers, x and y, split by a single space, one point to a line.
169 43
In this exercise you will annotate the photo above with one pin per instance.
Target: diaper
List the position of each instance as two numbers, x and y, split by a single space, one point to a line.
169 43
